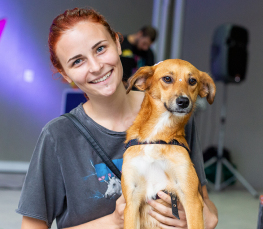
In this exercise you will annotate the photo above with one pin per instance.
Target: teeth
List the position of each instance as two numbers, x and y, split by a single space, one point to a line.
102 79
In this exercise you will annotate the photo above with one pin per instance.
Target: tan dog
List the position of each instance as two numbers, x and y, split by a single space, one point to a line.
171 88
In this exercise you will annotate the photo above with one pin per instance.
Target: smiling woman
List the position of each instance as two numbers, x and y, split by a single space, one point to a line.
68 180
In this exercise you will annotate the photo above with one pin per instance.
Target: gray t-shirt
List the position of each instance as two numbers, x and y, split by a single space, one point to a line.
67 180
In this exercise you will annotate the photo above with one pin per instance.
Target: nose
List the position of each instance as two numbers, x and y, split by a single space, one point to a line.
94 65
182 102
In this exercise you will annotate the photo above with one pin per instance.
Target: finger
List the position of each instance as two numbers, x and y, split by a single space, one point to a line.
165 197
167 222
121 211
163 226
167 211
120 206
121 200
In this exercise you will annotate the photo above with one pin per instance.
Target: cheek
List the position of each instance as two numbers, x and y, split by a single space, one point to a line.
78 75
193 92
116 62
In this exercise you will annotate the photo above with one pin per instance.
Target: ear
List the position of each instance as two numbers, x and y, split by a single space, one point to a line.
66 77
118 44
139 79
207 88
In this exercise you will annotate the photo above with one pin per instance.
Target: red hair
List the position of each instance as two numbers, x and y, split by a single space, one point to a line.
66 21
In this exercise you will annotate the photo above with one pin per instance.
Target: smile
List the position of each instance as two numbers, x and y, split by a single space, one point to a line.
102 78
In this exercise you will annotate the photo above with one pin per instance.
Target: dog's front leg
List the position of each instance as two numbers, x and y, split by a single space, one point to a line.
185 184
133 186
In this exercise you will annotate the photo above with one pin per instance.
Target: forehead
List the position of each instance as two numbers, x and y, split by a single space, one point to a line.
87 29
176 67
81 37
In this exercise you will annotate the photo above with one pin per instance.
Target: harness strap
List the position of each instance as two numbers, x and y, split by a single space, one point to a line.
173 142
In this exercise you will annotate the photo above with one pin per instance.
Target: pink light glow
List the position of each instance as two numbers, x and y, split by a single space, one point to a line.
2 26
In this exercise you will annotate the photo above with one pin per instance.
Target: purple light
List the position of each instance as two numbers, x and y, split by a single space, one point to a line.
2 26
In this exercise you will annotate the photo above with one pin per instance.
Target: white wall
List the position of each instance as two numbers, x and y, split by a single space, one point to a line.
244 124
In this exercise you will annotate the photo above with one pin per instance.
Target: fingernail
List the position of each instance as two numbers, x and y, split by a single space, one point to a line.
160 194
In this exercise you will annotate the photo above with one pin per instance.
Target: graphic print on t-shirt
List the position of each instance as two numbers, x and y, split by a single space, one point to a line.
104 174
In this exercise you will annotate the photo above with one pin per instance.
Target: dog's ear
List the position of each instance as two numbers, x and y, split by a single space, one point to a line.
139 78
207 88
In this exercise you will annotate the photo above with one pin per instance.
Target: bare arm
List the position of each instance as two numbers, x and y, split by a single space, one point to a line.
112 221
210 211
31 223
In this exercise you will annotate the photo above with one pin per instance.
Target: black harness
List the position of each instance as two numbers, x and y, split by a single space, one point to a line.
134 142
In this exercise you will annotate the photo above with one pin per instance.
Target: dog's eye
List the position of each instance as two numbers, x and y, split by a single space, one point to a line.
167 79
192 81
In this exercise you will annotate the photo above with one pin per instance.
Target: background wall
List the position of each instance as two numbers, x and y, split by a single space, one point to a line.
244 123
26 106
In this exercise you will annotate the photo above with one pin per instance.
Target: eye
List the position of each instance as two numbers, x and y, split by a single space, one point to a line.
78 61
100 49
167 79
192 81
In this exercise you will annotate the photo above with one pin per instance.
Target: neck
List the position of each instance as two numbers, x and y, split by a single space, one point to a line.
114 112
155 122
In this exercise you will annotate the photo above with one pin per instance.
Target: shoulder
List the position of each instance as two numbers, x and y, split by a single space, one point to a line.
55 124
62 124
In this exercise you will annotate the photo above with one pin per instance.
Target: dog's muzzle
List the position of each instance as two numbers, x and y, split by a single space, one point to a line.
182 102
182 105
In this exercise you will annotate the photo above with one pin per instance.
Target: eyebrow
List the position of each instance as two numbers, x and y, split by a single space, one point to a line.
75 57
98 43
79 55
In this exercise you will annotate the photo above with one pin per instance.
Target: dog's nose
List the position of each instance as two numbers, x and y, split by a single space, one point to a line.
182 102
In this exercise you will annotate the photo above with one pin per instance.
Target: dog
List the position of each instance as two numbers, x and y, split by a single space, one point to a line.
171 89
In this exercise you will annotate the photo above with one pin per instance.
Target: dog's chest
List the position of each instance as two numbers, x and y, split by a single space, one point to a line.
152 167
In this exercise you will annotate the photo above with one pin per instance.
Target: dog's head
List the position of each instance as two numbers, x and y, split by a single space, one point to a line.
176 83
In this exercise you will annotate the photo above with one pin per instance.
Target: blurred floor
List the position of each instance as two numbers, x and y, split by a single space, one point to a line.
237 209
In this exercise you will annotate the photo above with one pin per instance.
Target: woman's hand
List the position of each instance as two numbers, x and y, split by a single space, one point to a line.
118 214
165 215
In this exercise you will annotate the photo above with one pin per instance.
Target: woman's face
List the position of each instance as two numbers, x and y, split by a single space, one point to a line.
90 58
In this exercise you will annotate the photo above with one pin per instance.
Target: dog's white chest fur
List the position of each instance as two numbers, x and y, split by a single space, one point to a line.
163 122
152 170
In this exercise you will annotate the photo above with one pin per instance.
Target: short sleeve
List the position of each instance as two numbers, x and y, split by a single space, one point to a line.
196 151
43 192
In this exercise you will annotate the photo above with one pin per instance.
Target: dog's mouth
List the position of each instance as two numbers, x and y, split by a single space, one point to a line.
181 106
178 110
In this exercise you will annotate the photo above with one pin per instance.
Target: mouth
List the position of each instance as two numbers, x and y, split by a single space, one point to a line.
105 77
178 111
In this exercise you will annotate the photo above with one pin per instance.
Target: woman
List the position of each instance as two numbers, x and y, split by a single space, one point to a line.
66 180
